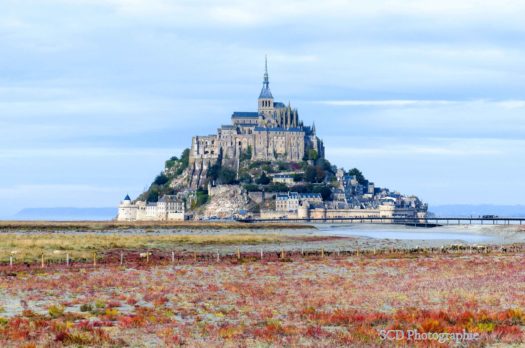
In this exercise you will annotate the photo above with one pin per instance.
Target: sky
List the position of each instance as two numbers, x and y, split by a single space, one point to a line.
425 97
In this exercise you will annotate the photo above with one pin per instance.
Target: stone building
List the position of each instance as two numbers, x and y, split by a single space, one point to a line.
283 178
168 208
273 132
291 201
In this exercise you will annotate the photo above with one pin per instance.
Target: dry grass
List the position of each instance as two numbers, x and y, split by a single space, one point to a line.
109 225
29 247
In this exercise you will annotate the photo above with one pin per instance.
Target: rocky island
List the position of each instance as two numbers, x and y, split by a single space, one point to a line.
265 164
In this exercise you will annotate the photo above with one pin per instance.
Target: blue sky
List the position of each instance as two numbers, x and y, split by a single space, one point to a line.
424 96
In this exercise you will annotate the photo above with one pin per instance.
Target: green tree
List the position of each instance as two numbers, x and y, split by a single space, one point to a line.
213 172
359 176
153 195
245 178
185 158
313 155
246 155
324 190
298 177
309 174
277 187
252 188
201 198
263 179
161 179
314 174
226 176
171 162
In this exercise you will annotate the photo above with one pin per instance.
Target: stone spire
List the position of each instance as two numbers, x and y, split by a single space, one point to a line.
265 92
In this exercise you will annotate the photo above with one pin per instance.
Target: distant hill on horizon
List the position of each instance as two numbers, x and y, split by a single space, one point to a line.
66 214
478 210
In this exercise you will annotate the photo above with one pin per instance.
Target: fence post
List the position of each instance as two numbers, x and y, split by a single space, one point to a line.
67 259
322 252
11 261
94 259
42 259
121 258
172 257
282 253
261 254
218 256
238 253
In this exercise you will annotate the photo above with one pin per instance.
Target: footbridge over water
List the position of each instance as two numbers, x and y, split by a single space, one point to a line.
422 222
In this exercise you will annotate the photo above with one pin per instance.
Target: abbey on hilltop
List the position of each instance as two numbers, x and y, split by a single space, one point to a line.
265 164
273 132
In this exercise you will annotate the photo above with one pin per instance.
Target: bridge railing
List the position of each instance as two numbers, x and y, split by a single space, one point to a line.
429 221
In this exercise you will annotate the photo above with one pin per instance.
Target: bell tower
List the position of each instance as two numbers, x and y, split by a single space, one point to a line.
265 98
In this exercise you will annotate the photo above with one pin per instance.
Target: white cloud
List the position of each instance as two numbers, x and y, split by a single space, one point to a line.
85 152
385 103
507 104
411 150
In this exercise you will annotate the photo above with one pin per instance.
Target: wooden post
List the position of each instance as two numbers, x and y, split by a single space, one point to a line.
195 256
147 256
302 251
282 253
11 261
357 254
238 253
218 256
322 252
121 258
94 259
67 259
374 251
42 259
172 257
261 254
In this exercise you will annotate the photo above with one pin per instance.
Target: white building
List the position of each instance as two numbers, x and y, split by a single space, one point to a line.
168 208
283 179
291 201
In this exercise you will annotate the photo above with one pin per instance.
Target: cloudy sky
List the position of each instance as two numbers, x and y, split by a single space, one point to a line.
424 96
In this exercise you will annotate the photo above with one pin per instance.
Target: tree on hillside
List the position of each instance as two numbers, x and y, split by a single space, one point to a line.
153 195
185 158
263 179
312 155
314 174
359 176
226 176
324 190
246 155
161 179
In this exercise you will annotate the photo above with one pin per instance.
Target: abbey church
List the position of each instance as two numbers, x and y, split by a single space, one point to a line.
273 132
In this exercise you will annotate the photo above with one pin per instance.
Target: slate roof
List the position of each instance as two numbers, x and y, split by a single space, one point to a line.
266 93
278 129
245 114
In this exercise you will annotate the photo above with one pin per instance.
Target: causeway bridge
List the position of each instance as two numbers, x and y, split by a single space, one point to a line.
426 222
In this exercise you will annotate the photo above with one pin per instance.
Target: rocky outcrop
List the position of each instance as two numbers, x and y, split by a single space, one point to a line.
225 201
